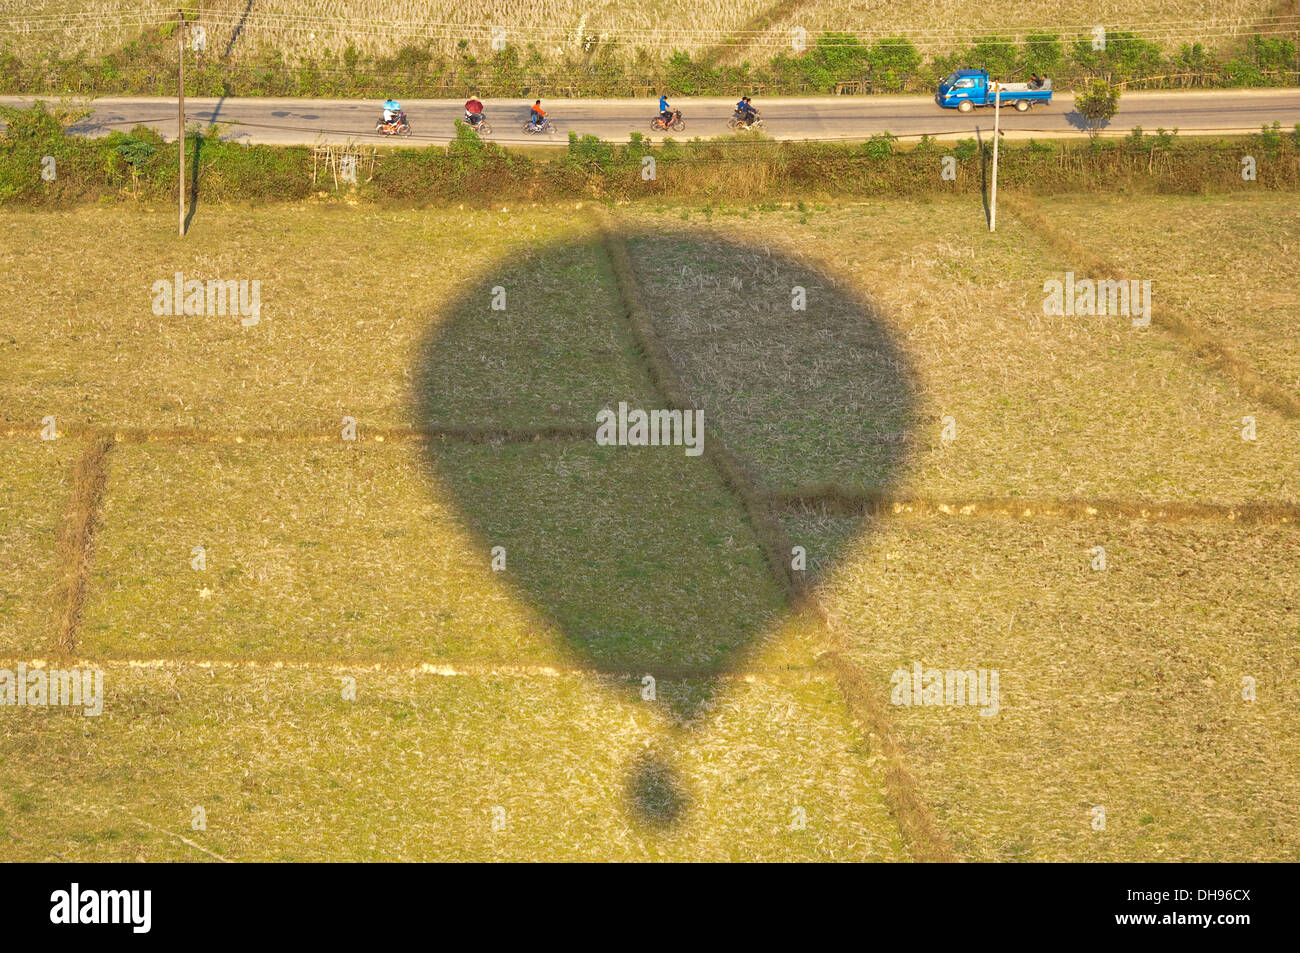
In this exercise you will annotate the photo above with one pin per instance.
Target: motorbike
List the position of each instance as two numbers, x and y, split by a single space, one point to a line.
674 122
737 121
397 127
534 128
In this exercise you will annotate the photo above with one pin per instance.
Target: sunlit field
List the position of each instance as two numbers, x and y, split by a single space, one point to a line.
365 583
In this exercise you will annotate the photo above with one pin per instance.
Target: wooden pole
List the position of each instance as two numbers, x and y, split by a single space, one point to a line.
993 202
180 123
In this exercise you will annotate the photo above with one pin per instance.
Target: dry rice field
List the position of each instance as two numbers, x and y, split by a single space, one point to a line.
244 28
310 637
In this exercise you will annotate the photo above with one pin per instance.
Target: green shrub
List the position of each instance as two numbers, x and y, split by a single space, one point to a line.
1270 139
997 54
880 146
1097 104
892 61
135 150
590 152
1043 54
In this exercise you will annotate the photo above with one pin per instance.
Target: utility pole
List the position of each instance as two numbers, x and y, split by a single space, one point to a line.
993 202
180 123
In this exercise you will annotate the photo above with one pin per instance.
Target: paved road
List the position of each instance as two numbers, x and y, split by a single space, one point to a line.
307 121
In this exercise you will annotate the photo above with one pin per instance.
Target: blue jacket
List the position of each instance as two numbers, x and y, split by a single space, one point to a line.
663 104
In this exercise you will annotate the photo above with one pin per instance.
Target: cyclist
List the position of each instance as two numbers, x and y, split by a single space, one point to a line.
745 111
473 112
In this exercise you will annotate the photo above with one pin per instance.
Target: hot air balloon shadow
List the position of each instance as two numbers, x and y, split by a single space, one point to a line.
644 557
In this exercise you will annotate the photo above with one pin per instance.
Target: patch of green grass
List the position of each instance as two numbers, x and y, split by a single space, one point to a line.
793 371
537 342
639 555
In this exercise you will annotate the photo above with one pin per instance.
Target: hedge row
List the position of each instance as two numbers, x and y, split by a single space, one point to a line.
835 61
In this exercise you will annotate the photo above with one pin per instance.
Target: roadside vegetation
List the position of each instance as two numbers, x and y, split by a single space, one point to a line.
596 66
140 166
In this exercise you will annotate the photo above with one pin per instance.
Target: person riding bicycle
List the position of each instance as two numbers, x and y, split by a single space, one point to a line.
473 112
665 111
746 112
537 115
393 112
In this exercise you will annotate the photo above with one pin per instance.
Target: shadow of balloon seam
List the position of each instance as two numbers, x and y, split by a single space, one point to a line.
658 366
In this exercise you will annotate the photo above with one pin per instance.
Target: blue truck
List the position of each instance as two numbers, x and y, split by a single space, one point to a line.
964 89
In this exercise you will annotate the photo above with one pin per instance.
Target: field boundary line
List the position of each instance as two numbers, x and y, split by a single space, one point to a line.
923 839
742 38
1205 347
110 813
849 503
776 675
179 837
197 435
76 539
926 841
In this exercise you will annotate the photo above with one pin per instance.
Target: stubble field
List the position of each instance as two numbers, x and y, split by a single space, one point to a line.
353 670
